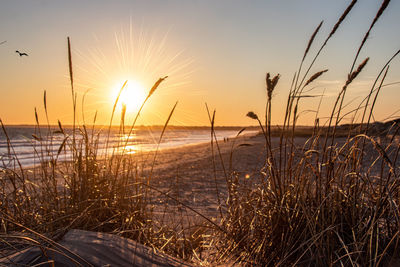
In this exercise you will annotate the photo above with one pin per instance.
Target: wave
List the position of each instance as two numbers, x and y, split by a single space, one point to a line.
30 145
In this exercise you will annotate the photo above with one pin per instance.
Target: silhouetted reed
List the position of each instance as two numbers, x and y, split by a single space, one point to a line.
318 204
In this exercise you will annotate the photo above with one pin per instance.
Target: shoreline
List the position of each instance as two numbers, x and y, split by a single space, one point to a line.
28 152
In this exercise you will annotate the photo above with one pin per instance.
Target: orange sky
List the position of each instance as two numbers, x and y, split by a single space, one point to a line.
214 52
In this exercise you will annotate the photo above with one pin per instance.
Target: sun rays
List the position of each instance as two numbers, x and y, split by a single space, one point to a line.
132 95
134 54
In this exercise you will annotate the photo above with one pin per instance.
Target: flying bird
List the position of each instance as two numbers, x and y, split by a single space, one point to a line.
3 42
21 54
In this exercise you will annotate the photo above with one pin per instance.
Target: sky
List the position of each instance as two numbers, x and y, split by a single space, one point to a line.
214 52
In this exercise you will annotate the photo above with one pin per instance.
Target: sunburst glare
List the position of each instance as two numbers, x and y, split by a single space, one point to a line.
132 95
136 53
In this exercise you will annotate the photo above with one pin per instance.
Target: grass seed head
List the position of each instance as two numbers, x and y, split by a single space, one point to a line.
252 115
341 19
315 76
155 86
271 83
355 73
312 39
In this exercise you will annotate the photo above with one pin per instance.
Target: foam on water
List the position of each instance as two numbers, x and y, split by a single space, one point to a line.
30 150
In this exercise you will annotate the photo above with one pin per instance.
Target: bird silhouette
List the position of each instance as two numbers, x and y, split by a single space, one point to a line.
3 42
21 54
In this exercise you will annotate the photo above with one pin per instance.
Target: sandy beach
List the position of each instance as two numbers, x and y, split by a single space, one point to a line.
187 173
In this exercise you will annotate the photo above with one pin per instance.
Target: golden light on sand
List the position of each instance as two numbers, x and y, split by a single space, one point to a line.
132 95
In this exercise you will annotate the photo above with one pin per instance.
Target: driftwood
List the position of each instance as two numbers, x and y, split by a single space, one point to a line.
84 248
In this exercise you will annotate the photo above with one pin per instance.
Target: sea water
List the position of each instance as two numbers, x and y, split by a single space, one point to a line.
30 145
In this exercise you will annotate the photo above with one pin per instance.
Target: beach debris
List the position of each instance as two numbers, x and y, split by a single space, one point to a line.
85 248
244 144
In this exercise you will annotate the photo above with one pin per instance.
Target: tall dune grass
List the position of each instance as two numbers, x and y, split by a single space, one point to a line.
331 201
99 192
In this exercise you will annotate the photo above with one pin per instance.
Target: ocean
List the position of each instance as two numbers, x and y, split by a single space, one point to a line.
30 145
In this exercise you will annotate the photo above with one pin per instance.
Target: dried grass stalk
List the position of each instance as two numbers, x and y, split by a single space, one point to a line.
342 17
355 73
315 76
312 40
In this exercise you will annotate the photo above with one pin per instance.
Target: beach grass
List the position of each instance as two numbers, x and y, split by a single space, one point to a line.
322 203
332 200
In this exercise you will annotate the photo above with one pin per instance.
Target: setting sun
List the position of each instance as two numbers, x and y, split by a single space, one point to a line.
132 95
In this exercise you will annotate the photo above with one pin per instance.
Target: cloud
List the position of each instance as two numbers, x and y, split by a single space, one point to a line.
330 82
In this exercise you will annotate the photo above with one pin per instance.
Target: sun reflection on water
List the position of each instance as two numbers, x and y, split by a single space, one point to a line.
128 144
